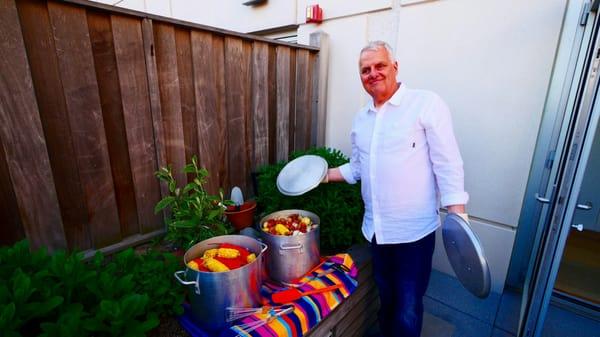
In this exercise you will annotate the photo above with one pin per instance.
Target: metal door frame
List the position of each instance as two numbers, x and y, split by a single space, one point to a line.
546 257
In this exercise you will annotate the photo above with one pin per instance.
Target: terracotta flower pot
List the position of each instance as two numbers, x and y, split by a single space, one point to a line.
241 216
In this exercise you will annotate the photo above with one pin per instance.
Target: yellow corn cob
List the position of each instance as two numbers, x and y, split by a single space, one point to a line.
228 253
281 229
305 220
210 253
250 258
215 265
193 265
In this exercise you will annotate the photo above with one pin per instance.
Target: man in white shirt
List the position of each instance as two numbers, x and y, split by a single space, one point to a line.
405 154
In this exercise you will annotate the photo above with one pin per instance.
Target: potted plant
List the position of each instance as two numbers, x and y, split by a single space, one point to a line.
194 214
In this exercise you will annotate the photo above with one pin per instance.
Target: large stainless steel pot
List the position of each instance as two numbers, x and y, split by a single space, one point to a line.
290 257
211 293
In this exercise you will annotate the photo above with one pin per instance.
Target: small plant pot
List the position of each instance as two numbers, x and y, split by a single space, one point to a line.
241 216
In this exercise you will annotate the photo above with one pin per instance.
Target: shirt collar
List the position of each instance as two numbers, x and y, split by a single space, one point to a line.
394 100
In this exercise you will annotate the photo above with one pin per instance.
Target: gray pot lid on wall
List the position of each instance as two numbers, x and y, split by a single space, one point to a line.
466 255
301 175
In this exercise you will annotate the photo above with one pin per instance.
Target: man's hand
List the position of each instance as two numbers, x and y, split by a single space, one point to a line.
459 210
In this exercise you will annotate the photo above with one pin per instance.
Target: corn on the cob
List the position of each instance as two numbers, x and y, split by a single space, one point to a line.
215 265
193 265
228 253
305 220
250 258
210 253
281 229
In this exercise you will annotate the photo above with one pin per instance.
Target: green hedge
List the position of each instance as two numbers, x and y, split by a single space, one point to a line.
338 205
61 295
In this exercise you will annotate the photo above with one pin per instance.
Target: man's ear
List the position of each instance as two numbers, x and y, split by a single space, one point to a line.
396 65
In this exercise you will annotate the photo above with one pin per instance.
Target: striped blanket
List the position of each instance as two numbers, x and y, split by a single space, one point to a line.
307 311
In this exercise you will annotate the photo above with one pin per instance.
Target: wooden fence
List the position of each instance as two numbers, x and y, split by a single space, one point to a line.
93 101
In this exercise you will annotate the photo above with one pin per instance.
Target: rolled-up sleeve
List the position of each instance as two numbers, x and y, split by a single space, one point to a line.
444 154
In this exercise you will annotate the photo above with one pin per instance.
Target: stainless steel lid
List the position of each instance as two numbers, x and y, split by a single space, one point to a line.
301 175
466 255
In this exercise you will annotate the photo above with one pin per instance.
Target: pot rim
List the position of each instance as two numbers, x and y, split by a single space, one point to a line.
258 255
286 212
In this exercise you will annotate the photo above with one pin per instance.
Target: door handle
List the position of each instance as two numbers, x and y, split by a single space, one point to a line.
586 207
541 199
578 227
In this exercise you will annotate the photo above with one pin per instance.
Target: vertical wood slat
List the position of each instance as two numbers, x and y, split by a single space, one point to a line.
302 113
160 159
23 139
112 111
283 103
39 43
131 65
321 65
260 104
207 63
76 66
272 117
291 131
236 79
186 86
170 99
11 229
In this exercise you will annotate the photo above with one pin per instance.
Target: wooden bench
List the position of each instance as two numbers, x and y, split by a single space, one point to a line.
357 313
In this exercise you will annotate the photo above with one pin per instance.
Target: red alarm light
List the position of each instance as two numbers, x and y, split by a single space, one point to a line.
314 13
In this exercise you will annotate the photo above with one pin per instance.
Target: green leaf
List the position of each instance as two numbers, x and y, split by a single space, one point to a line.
165 202
7 313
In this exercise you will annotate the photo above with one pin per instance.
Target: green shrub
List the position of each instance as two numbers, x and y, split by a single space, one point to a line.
61 295
338 205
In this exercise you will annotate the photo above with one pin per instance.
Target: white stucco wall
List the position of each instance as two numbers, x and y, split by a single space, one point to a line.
490 60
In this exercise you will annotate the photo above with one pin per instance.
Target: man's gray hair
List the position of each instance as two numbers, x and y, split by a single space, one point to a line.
376 45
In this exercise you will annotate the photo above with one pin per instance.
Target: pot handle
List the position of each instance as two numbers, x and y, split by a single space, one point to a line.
283 246
187 283
264 247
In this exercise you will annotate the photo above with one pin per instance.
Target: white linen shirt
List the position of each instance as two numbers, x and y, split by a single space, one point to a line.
407 158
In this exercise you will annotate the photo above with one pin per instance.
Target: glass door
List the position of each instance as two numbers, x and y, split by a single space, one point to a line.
578 276
557 254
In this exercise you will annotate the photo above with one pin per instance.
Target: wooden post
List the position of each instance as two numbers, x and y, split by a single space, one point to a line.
319 104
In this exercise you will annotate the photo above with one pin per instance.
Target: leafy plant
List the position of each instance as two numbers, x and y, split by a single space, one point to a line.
338 205
195 214
62 295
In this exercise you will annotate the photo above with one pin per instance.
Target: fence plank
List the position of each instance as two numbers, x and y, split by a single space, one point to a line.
76 66
138 119
208 83
11 228
283 103
272 101
39 43
110 98
260 104
23 139
170 99
236 79
186 87
302 115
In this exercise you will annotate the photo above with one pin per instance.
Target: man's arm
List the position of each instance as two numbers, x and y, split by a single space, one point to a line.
334 175
445 157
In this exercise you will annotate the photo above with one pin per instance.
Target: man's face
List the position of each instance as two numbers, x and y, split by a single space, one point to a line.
378 74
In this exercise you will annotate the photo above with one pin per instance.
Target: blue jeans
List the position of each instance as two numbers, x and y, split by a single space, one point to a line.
402 274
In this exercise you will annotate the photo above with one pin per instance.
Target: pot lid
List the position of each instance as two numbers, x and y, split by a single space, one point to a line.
301 175
466 255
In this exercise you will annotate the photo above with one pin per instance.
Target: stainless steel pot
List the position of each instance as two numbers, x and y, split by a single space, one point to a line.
212 293
290 257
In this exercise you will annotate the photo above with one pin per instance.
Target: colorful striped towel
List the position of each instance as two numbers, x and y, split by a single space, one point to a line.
308 310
